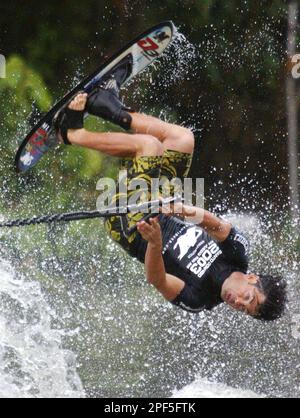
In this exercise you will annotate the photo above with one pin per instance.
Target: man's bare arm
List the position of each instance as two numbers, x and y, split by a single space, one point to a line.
217 228
169 286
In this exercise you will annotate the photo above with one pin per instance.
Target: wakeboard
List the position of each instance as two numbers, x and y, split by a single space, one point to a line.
141 52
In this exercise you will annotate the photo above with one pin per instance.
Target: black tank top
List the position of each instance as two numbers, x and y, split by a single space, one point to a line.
202 263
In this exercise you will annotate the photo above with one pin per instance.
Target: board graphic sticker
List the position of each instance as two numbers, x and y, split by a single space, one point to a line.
142 51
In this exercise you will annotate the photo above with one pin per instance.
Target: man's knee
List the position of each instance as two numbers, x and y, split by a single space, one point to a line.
189 140
148 146
183 141
76 136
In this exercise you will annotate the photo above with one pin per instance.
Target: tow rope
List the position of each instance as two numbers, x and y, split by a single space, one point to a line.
77 216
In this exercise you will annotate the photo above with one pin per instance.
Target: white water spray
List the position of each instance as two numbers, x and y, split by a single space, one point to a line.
32 360
202 388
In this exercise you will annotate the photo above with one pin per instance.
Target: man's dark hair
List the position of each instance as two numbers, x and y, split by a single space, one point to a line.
274 288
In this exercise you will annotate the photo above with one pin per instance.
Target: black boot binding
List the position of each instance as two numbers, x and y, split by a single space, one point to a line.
104 101
68 119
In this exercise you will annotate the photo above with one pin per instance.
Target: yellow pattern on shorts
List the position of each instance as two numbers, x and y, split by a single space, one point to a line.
143 170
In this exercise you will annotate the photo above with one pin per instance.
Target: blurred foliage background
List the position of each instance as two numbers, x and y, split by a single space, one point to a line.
232 95
226 81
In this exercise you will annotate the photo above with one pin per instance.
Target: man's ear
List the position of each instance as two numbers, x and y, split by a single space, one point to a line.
252 278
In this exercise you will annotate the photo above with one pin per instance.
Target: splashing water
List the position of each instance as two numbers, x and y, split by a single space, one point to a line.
174 67
127 340
130 342
205 389
33 363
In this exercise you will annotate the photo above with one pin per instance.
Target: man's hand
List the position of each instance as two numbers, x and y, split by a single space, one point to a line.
151 232
180 209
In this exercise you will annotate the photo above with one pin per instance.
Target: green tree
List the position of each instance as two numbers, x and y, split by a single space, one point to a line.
66 177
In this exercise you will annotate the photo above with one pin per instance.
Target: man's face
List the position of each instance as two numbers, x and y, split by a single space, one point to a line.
240 291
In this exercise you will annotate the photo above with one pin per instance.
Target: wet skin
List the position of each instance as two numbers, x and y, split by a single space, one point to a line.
240 291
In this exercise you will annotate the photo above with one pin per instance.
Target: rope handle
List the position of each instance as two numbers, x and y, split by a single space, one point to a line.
77 216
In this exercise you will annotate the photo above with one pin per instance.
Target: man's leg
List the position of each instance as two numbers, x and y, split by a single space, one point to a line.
114 144
153 137
178 143
147 130
144 142
117 144
173 137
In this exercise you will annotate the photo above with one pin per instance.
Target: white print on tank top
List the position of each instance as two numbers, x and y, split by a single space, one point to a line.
242 240
204 259
187 241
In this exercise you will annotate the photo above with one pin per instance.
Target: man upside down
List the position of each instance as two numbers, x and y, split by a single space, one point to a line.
197 261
